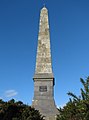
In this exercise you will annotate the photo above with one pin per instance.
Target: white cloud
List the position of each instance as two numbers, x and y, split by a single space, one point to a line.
10 93
1 98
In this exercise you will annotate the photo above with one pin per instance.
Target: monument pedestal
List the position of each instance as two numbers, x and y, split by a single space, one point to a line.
44 96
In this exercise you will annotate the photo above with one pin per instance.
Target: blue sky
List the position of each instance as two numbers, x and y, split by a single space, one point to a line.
69 32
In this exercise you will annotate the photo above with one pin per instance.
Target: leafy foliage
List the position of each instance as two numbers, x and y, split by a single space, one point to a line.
12 110
78 106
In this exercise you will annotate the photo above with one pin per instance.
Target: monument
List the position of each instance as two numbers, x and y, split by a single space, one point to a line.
43 78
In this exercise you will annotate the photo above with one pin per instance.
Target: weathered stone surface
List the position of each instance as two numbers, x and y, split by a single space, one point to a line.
43 79
43 60
44 100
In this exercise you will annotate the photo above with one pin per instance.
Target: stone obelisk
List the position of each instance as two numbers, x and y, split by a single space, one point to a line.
43 78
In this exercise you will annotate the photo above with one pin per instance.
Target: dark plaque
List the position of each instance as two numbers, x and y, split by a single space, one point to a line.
43 88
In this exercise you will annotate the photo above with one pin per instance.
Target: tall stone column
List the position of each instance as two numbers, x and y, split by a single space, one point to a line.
43 78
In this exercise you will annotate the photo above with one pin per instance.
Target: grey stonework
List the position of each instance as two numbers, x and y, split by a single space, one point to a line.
44 101
43 79
43 60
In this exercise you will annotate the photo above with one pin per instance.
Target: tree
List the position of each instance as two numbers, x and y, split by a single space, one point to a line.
12 110
78 106
31 114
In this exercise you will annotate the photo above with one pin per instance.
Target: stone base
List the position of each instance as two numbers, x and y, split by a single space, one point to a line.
47 108
50 118
44 96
